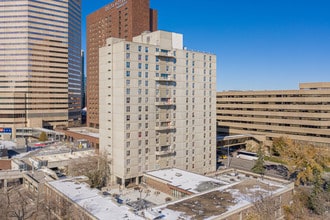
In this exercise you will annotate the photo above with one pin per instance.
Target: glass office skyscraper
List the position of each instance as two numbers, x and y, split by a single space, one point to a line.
74 64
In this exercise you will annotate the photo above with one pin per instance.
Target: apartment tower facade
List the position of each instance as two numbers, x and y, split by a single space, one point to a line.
39 62
157 104
302 115
120 19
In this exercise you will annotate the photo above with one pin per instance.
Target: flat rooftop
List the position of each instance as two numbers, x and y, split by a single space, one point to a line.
54 149
41 176
241 191
187 181
67 156
214 197
7 145
98 205
55 153
85 131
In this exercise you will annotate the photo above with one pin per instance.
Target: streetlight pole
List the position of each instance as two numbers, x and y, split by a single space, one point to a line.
25 108
227 156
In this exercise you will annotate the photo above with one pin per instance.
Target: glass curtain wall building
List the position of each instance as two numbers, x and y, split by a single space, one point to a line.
74 64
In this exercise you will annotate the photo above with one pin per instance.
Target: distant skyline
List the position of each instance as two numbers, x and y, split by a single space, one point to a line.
260 44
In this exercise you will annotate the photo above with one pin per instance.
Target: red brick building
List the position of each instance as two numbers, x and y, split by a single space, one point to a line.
121 19
5 164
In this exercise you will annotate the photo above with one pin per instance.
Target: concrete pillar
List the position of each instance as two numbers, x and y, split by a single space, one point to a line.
5 185
13 134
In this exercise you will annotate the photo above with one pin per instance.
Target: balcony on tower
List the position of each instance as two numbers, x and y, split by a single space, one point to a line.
165 101
165 53
165 125
165 77
165 151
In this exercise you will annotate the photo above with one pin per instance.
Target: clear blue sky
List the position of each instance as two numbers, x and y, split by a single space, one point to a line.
260 44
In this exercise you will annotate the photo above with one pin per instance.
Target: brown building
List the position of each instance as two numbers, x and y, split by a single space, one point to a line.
302 115
5 164
121 19
89 135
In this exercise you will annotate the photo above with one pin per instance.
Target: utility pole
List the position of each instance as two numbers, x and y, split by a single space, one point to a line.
227 156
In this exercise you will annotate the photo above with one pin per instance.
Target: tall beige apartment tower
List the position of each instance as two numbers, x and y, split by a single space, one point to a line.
157 105
39 63
122 19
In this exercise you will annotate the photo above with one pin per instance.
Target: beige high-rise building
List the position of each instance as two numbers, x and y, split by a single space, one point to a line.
39 63
157 106
302 115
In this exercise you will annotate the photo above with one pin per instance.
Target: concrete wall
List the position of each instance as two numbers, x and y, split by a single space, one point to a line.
62 207
165 187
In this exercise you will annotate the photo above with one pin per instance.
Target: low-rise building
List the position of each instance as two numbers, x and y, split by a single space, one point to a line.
73 198
35 181
231 194
55 157
91 135
180 183
302 115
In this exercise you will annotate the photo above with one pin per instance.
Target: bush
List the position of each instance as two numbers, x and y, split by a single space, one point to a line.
274 159
43 136
168 199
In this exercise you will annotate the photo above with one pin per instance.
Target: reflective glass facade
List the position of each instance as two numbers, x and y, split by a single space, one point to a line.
74 65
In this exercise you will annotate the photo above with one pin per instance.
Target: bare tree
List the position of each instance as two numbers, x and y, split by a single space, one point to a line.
3 204
96 168
265 206
17 203
45 207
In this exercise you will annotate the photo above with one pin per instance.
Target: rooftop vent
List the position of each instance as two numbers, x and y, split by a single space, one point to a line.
178 174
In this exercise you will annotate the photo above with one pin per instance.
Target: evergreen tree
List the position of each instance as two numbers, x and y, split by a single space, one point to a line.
259 165
43 136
